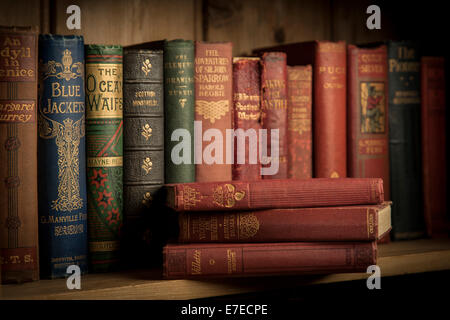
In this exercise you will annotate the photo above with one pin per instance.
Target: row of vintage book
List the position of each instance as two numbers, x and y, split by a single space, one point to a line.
91 133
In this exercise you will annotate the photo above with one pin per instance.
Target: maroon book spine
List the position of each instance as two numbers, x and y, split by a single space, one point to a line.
213 109
299 122
267 194
348 223
246 115
368 129
433 145
228 260
274 108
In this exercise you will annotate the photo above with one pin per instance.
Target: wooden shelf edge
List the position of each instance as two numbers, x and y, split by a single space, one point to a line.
395 259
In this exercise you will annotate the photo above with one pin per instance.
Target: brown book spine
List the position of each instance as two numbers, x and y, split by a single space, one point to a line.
368 129
267 194
227 260
299 122
433 145
246 115
274 109
348 223
18 154
330 110
213 109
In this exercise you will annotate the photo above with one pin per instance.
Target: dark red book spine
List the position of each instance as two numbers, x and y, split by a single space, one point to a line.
299 122
368 129
348 223
433 145
246 114
267 194
274 109
213 109
227 260
330 105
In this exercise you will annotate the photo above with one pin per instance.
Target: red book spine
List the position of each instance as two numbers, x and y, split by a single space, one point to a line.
227 260
350 223
213 109
247 112
299 122
267 194
274 108
368 129
330 154
433 145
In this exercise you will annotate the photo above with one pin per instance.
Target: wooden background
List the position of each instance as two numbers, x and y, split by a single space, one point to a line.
248 24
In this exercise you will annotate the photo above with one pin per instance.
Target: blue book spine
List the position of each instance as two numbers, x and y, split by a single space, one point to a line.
61 155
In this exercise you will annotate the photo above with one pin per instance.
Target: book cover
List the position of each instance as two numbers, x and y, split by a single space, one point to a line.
179 103
433 140
329 61
267 194
213 110
61 155
368 127
18 155
300 151
347 223
246 117
404 140
263 259
143 148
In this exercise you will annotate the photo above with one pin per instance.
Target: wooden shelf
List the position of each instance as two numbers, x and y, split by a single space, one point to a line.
396 258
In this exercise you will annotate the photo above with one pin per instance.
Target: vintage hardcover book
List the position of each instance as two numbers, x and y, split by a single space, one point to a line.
329 101
433 140
179 110
347 223
61 155
143 145
267 194
274 110
18 154
404 139
299 122
213 110
104 131
263 259
368 127
246 117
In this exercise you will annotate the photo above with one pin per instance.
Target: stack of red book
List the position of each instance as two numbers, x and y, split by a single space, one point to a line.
274 227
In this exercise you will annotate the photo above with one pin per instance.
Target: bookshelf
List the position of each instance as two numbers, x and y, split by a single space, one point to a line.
395 259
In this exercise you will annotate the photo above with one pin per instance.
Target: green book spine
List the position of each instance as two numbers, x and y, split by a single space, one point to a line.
104 134
179 110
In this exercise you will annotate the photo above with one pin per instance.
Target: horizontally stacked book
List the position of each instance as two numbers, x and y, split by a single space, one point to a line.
274 227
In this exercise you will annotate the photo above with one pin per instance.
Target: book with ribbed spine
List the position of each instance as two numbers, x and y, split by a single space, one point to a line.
18 155
61 155
267 194
104 144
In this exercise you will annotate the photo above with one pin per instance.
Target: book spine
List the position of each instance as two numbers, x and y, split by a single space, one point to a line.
246 116
226 260
104 131
368 128
299 122
61 155
266 194
350 223
143 146
433 139
404 140
179 56
274 114
213 109
18 155
330 93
